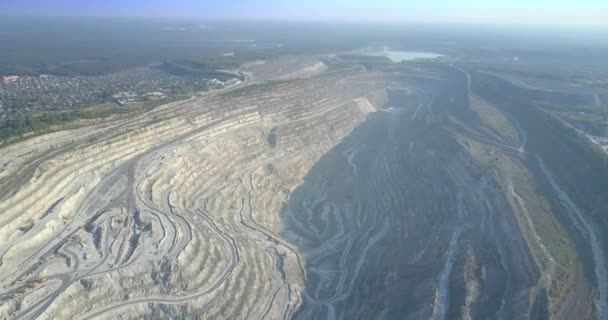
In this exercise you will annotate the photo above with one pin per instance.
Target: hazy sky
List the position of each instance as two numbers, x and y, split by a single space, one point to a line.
560 12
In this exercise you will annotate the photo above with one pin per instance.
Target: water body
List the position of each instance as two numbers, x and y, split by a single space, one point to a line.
400 56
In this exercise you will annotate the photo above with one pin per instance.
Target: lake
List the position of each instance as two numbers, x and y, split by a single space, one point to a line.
398 56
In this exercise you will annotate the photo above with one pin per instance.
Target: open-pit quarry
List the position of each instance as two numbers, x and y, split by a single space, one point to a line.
315 189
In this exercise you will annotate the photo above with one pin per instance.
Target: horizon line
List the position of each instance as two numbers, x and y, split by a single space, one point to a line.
603 27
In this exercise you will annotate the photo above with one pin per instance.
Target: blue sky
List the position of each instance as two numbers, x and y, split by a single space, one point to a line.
559 12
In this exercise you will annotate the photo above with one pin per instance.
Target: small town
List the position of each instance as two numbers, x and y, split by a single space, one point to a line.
19 94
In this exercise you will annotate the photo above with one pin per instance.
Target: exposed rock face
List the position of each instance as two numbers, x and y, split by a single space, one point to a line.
173 213
306 72
317 194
